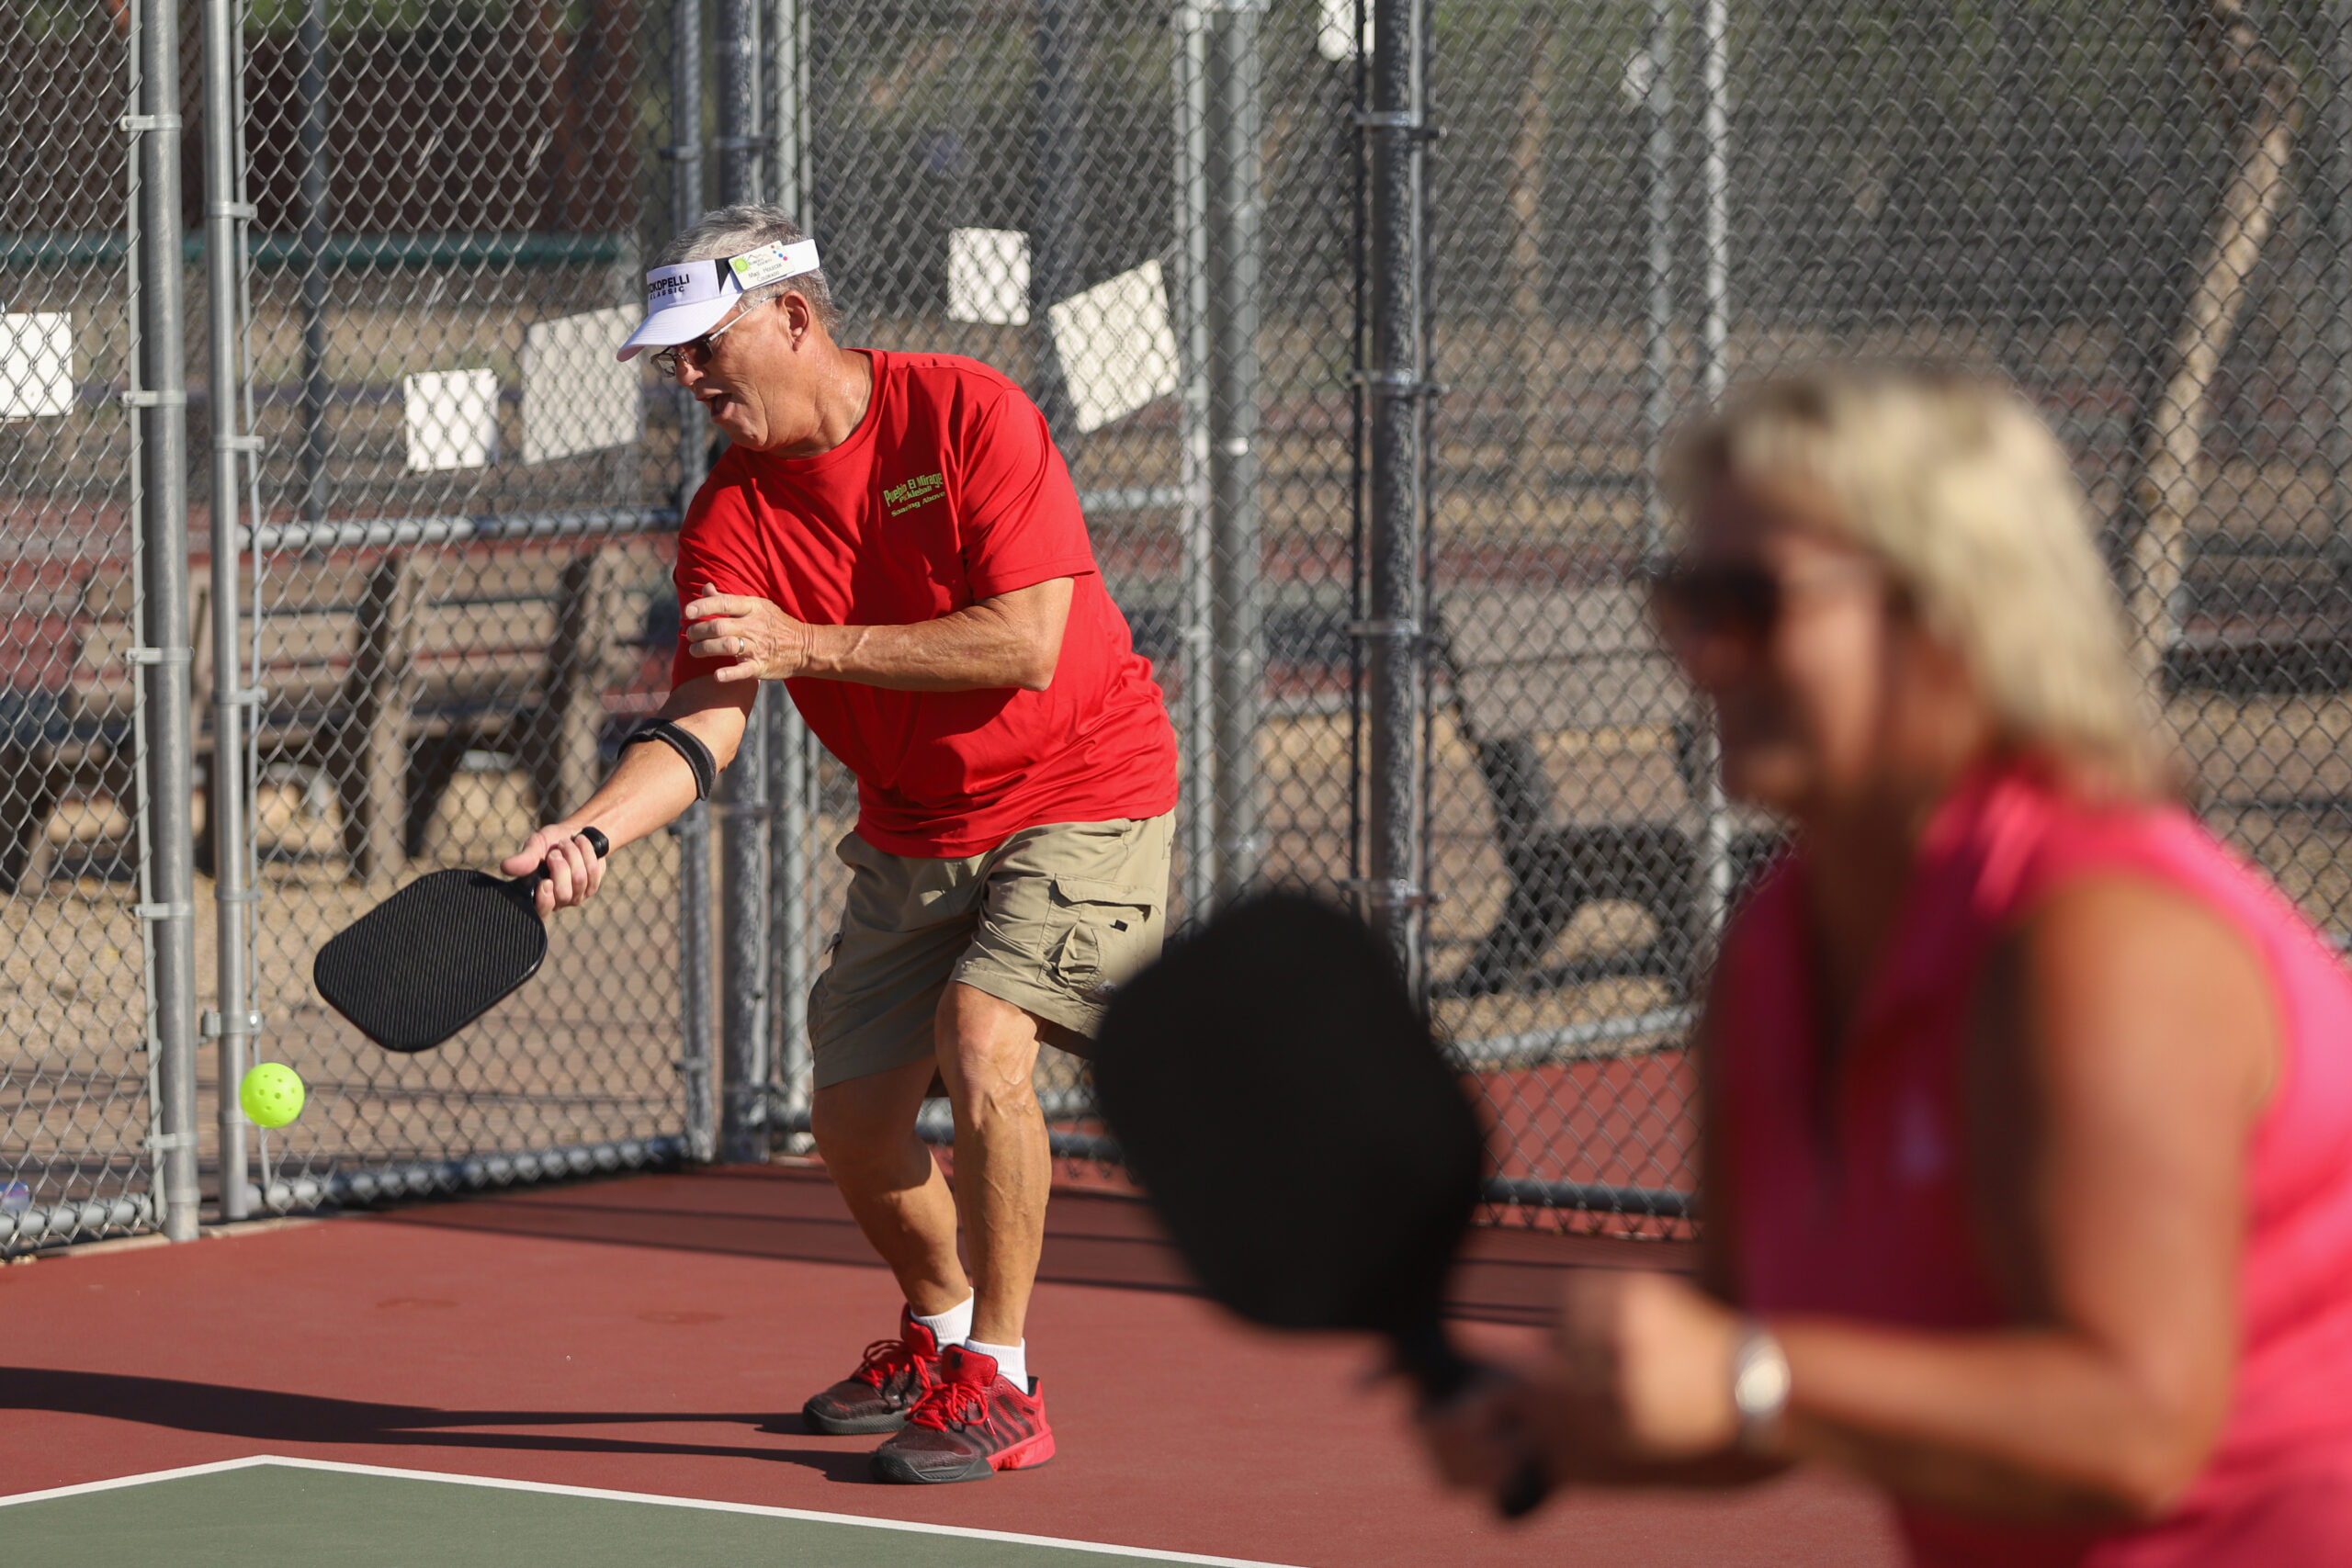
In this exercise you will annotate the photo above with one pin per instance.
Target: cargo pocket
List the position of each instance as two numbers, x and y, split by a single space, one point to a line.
819 1011
1106 935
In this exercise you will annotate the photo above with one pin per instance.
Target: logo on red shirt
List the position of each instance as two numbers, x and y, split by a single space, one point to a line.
921 490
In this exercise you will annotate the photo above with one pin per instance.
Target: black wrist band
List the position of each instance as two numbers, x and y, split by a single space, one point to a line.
685 743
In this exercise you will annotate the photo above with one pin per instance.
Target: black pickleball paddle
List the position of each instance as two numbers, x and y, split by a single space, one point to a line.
1312 1153
437 955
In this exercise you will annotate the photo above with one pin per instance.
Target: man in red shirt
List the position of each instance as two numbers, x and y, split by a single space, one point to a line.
895 538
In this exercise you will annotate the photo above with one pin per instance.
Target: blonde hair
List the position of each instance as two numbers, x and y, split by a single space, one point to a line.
1967 499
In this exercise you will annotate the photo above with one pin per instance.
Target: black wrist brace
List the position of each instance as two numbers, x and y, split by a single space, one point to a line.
682 740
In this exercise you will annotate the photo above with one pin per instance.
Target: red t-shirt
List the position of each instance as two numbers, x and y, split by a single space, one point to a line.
948 491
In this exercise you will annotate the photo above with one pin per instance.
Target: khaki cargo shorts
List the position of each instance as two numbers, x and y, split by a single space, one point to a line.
1049 920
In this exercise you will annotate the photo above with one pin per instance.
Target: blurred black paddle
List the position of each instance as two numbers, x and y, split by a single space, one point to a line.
437 955
1311 1152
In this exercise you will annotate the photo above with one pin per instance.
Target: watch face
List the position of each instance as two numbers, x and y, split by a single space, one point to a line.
1760 1386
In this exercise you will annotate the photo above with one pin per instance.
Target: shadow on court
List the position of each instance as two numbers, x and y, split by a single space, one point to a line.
268 1415
792 1212
648 1335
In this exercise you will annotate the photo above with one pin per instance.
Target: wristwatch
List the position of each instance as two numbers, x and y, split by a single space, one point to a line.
1759 1385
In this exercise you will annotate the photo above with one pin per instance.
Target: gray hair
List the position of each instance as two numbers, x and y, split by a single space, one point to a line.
1968 500
724 231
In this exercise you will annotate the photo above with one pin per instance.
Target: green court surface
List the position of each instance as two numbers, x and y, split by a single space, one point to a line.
278 1512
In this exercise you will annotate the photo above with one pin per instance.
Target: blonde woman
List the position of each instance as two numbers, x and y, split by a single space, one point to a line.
2029 1106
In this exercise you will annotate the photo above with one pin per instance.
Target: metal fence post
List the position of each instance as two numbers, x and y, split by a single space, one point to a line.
790 878
2334 201
160 408
225 211
685 155
1396 383
693 828
692 831
787 177
1657 359
1713 870
316 389
1234 204
790 759
738 110
1058 230
1196 792
746 962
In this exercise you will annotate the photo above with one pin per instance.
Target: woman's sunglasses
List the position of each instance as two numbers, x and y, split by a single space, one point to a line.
1693 600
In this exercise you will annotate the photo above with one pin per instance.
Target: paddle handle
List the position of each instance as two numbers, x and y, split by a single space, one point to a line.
596 841
1525 1492
1428 1357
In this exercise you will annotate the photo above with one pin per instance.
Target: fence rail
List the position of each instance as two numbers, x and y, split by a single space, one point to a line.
1361 324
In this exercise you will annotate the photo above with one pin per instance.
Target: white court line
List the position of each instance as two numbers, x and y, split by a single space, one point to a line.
503 1484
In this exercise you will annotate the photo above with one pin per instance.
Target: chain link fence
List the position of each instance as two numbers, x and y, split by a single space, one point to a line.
75 1092
456 513
2132 212
1367 424
464 522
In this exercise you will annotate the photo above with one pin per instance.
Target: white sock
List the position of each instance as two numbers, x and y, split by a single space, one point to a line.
1011 1360
952 1327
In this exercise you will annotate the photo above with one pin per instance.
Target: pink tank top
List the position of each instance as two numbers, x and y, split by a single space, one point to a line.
1878 1226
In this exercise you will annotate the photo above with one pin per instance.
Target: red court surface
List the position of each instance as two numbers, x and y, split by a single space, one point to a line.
657 1335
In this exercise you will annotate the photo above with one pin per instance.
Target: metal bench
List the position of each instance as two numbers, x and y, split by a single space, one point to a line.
74 743
2266 617
379 671
383 672
1587 743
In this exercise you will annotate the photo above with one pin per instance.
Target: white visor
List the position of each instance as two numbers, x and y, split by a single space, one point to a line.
685 301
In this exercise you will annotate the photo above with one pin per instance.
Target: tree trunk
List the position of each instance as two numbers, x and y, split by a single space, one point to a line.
2258 99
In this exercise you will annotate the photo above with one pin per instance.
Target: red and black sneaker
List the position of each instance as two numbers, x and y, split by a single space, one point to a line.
972 1422
892 1380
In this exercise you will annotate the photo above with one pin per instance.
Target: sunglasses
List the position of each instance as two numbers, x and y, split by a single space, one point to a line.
694 350
1735 599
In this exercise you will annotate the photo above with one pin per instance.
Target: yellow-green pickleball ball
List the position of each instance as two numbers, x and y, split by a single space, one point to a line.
271 1094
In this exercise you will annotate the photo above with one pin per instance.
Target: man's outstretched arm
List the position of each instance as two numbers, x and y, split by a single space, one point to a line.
644 794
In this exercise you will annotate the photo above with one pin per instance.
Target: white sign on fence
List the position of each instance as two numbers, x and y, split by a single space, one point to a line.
452 418
1117 348
36 365
988 276
1335 33
576 396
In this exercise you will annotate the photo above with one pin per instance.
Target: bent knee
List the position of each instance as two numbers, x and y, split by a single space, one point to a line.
867 1158
991 1074
986 1048
868 1121
847 1143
